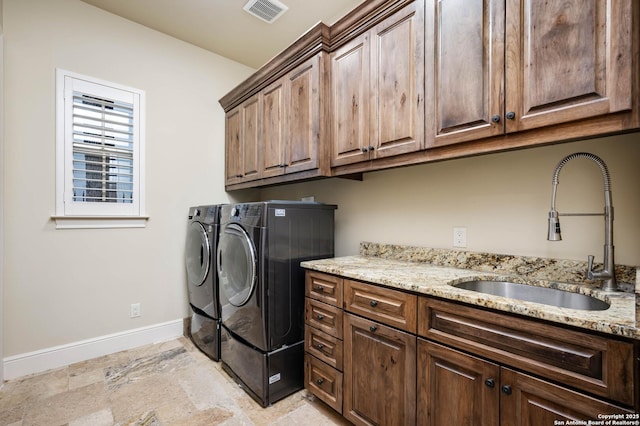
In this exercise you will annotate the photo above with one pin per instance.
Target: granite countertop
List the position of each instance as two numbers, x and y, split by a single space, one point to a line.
430 272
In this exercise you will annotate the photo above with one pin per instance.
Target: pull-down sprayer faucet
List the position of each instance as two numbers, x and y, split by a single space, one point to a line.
607 275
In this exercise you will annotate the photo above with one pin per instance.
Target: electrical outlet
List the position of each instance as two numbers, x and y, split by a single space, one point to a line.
460 237
136 310
309 199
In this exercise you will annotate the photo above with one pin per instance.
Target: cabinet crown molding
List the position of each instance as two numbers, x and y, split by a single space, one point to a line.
319 38
314 41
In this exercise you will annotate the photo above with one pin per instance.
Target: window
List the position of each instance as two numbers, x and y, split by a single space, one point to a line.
100 153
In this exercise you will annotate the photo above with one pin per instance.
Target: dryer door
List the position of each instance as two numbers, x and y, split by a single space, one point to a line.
236 264
198 254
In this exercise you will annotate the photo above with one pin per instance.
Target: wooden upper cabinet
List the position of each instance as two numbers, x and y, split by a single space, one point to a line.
464 56
291 120
251 156
278 130
397 83
277 127
350 97
378 90
303 115
243 142
273 133
402 81
502 66
233 148
567 60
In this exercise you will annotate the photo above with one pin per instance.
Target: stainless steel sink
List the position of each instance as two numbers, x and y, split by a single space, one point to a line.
530 293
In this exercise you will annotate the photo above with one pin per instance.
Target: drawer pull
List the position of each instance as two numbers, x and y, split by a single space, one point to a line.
373 303
319 288
320 381
506 389
490 383
319 346
320 317
373 328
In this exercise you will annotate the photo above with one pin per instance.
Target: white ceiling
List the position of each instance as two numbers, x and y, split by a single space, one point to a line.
223 27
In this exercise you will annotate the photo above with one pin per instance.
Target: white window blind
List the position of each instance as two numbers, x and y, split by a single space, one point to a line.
103 148
100 148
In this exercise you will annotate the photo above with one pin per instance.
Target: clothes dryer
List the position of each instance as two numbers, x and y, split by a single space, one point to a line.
202 278
262 290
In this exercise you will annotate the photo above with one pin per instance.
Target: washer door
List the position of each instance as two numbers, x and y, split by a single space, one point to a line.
198 254
236 264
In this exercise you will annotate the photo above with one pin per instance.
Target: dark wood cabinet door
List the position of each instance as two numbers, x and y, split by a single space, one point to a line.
350 102
251 139
379 373
528 401
397 83
464 70
303 116
273 125
233 145
455 388
242 139
566 60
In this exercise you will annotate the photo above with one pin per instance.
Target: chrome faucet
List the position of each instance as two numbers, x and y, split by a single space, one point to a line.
607 274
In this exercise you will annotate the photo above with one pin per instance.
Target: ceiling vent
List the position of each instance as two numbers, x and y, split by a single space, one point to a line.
267 10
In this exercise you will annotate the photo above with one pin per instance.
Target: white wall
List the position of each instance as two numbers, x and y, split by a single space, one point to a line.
1 192
64 286
503 200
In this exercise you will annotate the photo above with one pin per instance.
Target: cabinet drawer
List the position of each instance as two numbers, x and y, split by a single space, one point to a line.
324 317
324 287
596 364
323 346
388 306
323 381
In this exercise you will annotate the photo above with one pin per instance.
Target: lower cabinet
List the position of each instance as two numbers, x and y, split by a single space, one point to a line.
379 373
595 364
528 401
461 365
486 393
455 388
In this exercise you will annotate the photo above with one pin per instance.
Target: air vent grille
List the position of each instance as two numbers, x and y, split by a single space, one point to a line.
267 10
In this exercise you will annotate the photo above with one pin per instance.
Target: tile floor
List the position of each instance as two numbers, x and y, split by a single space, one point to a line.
170 383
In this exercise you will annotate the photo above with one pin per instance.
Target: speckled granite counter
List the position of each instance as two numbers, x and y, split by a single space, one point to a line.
433 271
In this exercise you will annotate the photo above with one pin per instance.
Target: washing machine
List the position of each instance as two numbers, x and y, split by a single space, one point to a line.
202 278
259 252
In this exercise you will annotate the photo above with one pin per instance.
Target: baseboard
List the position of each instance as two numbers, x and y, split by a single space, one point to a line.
60 356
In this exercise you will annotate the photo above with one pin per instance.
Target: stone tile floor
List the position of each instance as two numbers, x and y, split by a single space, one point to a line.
170 383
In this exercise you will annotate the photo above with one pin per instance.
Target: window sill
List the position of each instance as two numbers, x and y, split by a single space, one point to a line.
100 222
